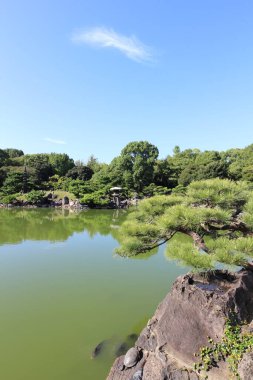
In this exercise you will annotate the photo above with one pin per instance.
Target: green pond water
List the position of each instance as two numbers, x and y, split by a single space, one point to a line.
63 290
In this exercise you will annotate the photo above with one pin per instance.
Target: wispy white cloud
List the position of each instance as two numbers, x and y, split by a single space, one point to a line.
108 38
53 141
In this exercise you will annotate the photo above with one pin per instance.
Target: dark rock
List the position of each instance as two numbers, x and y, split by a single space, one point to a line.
65 201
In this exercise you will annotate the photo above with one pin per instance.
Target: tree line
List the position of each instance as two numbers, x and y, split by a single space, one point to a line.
137 169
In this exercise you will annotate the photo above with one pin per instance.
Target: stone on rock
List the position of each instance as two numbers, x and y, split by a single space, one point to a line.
138 375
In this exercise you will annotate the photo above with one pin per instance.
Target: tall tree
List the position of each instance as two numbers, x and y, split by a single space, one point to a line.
137 162
61 163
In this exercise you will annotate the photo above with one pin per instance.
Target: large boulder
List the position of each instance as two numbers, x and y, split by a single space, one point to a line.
196 308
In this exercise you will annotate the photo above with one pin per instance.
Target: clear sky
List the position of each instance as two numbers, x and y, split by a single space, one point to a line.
88 76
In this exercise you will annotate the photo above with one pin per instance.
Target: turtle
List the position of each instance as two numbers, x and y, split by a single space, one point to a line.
131 358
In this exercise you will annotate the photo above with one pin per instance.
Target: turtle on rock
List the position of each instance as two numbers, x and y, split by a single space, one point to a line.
132 357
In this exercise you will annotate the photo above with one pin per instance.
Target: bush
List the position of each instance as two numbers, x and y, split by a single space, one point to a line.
8 199
36 196
96 199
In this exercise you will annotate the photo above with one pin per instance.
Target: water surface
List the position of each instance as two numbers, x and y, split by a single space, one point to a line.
63 290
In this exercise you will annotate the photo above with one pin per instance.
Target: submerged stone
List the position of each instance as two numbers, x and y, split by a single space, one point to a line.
97 350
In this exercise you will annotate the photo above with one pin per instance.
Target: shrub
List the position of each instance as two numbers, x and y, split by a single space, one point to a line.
35 196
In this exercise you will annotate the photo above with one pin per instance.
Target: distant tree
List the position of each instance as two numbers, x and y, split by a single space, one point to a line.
94 164
163 174
83 173
3 157
3 175
216 215
179 161
240 163
137 162
176 150
206 165
79 163
61 163
13 183
13 153
101 178
41 165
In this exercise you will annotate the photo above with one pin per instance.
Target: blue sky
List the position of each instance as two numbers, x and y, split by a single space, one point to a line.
86 77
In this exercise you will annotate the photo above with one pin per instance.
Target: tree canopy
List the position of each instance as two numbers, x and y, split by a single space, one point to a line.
137 170
215 215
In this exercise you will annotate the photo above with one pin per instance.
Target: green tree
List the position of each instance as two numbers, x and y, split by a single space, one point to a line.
206 165
13 183
137 162
83 173
13 153
3 157
163 174
215 215
240 163
179 161
93 164
41 165
61 163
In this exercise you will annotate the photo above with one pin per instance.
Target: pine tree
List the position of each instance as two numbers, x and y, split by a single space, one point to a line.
215 215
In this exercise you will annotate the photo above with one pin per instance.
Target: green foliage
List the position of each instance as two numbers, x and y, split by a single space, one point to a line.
153 189
3 175
231 348
222 193
79 188
188 255
13 183
210 213
80 172
184 217
137 162
163 174
3 157
61 163
93 164
139 170
35 196
13 153
96 199
8 199
240 163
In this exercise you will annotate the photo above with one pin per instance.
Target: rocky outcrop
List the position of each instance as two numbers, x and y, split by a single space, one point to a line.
195 309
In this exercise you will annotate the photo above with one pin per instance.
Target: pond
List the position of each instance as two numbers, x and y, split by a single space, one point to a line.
63 290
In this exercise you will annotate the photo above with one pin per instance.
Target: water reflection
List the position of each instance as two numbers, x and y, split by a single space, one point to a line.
56 225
